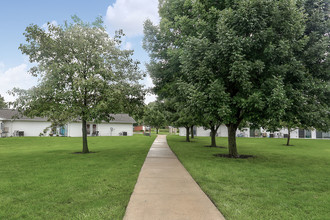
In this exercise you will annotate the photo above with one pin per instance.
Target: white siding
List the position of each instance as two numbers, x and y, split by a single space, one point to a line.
30 128
222 132
104 129
34 128
313 134
182 131
74 129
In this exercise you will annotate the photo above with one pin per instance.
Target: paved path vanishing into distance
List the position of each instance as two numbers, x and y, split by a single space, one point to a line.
165 190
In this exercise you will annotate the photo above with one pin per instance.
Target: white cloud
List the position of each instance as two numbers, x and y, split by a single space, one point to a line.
149 84
15 77
128 46
45 25
150 98
129 15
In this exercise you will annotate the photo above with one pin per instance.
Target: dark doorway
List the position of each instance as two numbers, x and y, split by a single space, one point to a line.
88 128
94 130
301 133
195 130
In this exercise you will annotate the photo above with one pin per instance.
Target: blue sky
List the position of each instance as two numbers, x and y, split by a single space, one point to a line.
15 16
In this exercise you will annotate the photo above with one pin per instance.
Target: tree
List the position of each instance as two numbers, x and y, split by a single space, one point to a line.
249 52
309 93
182 117
154 116
317 63
164 43
179 115
206 103
84 74
3 104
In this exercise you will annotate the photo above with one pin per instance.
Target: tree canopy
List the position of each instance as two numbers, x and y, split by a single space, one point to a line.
154 116
84 74
239 62
307 89
3 104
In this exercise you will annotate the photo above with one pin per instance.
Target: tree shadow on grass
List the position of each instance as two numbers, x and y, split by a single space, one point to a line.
215 146
238 157
90 152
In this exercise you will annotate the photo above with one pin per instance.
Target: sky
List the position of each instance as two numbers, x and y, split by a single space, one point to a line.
16 15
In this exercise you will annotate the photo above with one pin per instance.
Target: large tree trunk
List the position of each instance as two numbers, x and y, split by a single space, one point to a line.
84 136
213 133
192 131
232 140
289 136
187 134
157 130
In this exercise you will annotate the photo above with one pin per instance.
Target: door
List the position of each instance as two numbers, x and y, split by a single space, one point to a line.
195 130
63 131
301 133
94 130
88 129
252 132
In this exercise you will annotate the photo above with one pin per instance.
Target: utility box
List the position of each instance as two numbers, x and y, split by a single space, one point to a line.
124 133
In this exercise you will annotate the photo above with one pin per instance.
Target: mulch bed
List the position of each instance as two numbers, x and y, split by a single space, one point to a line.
239 156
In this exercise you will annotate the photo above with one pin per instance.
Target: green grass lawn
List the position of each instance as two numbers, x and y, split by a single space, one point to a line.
41 178
160 131
280 182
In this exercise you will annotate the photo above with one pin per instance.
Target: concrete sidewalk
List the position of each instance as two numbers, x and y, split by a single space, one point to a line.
165 190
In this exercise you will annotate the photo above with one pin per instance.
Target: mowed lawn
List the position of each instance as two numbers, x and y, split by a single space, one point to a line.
41 178
280 182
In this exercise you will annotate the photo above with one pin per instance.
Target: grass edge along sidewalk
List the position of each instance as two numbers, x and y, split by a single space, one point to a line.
41 178
280 182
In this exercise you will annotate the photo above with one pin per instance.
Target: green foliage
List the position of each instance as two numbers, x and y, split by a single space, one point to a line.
164 44
255 62
54 183
83 73
236 70
308 89
154 116
3 104
278 183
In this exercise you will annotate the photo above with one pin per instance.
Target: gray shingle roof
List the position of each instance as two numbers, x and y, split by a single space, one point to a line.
122 118
7 114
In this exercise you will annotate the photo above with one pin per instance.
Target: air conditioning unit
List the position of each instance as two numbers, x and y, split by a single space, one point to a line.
16 133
